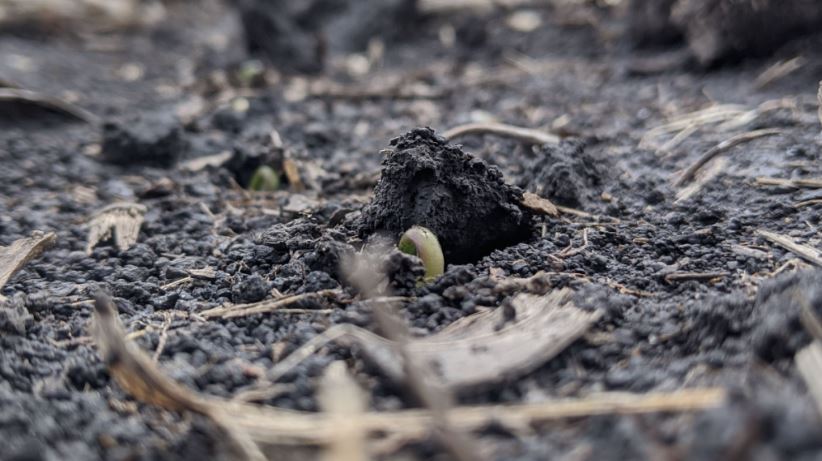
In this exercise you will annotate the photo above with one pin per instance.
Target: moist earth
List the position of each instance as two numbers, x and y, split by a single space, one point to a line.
623 251
466 203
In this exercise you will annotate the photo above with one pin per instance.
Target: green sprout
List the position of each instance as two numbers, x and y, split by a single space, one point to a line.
264 179
421 242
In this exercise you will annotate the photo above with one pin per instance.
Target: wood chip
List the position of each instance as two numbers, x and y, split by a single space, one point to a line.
803 251
345 402
32 98
120 220
20 252
539 204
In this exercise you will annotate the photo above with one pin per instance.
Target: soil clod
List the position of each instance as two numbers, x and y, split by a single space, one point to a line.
464 201
567 174
152 138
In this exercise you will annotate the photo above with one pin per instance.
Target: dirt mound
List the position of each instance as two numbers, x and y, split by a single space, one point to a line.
428 182
297 35
726 29
566 174
152 138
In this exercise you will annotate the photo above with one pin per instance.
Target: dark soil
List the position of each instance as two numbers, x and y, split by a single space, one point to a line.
193 98
427 182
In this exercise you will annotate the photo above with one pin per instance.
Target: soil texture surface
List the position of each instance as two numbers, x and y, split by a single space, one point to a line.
683 264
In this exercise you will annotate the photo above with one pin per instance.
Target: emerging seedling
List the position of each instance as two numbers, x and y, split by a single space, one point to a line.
421 242
265 179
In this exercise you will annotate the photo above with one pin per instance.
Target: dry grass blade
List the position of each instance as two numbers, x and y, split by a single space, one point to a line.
809 364
689 173
132 368
446 6
262 307
819 97
94 13
693 121
777 71
487 346
20 252
200 163
21 96
135 372
700 276
702 177
805 252
525 135
266 424
123 220
805 203
344 401
248 425
292 174
422 383
538 204
809 183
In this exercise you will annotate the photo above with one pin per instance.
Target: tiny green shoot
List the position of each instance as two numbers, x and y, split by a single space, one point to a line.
264 179
421 242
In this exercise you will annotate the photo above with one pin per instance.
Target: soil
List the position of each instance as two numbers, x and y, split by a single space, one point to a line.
198 92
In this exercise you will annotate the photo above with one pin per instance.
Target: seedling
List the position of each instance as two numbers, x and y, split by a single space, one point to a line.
421 242
265 179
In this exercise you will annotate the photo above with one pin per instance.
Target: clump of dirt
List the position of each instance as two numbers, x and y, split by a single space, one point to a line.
150 138
649 22
297 35
464 201
743 28
723 30
566 174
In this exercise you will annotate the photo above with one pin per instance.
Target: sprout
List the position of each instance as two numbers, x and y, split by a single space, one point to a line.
421 242
265 179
